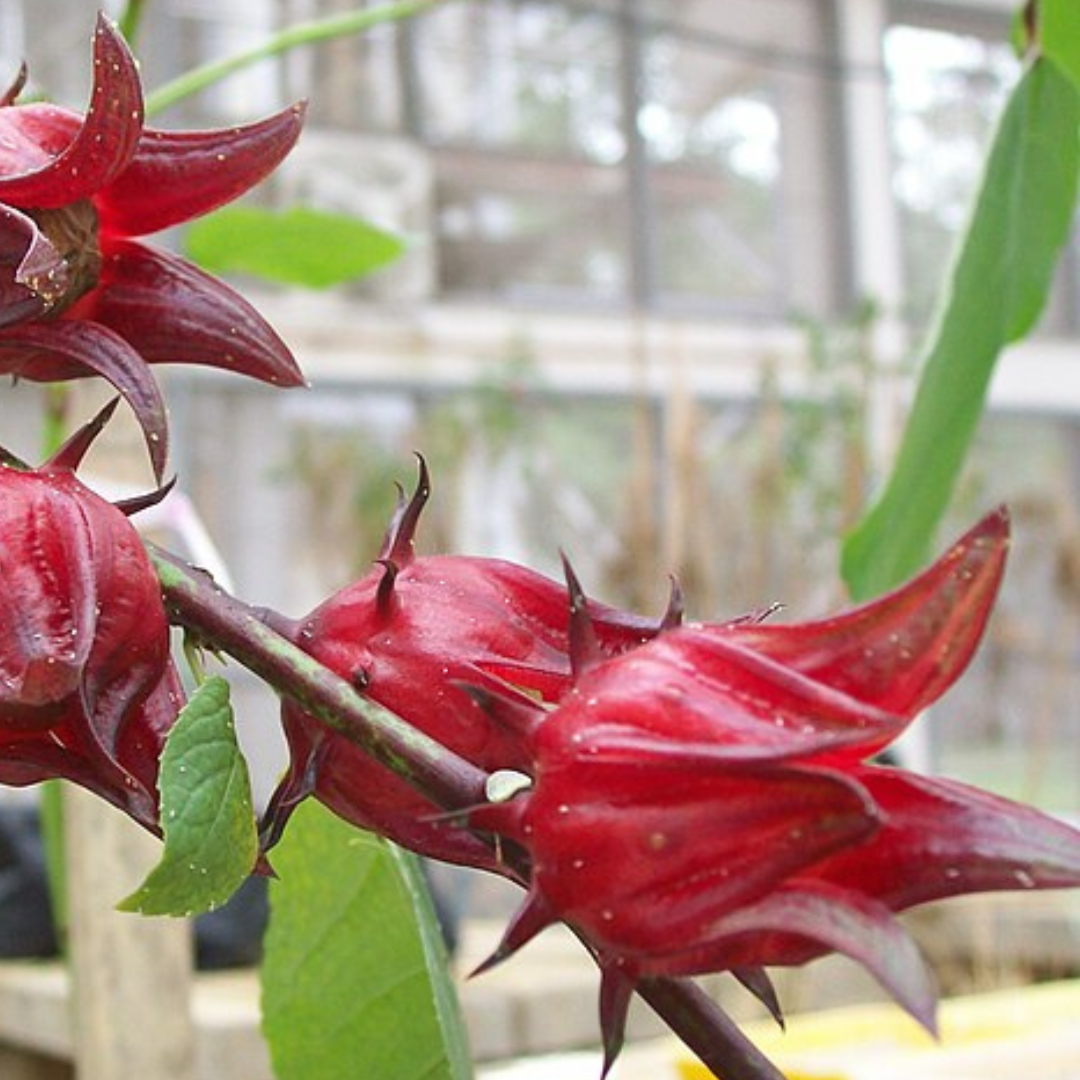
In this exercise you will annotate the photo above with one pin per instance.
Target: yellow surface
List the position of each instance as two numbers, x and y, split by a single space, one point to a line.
845 1044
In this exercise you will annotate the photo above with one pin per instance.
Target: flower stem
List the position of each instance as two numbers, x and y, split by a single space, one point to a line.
707 1030
224 623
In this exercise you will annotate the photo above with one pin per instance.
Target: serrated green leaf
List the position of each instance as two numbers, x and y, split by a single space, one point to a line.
210 837
1060 35
1006 261
354 978
299 246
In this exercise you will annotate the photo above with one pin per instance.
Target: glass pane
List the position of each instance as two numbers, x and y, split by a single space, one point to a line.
528 76
1011 723
946 93
352 82
712 132
534 231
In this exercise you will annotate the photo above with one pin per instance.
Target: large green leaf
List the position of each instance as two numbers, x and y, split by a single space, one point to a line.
1022 218
299 246
1060 33
206 814
354 977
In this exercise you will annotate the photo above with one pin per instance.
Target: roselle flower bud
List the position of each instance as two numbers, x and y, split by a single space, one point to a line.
78 295
87 688
701 803
407 635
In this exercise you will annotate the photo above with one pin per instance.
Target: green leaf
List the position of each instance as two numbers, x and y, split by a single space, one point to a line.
354 978
299 246
1000 282
1060 33
210 838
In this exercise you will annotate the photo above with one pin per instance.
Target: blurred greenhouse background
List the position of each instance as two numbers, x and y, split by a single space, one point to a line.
668 264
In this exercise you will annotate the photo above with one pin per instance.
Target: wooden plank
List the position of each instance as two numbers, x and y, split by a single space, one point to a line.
131 975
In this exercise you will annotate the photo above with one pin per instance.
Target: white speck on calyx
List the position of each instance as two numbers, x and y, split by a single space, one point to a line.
503 784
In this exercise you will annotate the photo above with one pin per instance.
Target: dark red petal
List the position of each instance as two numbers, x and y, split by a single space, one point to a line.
141 740
943 838
177 176
65 349
511 709
371 797
47 594
645 860
31 758
769 932
70 455
691 694
82 160
131 636
169 311
65 752
33 275
904 650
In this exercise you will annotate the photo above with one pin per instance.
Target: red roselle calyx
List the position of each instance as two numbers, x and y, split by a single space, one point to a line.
87 688
702 803
79 294
407 635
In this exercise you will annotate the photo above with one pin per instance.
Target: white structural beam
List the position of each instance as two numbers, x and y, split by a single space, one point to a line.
876 255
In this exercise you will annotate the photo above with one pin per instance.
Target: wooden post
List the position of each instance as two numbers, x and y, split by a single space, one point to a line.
131 975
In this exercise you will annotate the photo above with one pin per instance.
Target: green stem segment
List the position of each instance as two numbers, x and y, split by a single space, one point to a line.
231 626
308 33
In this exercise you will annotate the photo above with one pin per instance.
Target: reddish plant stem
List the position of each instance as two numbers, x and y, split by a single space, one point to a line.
731 1055
222 622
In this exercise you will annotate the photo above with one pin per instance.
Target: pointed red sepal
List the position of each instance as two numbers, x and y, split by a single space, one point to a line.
509 708
137 503
70 455
699 699
773 930
942 838
63 349
10 460
585 651
172 312
177 176
505 819
33 275
384 594
756 980
902 651
11 94
676 608
398 546
297 785
530 919
91 150
617 982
